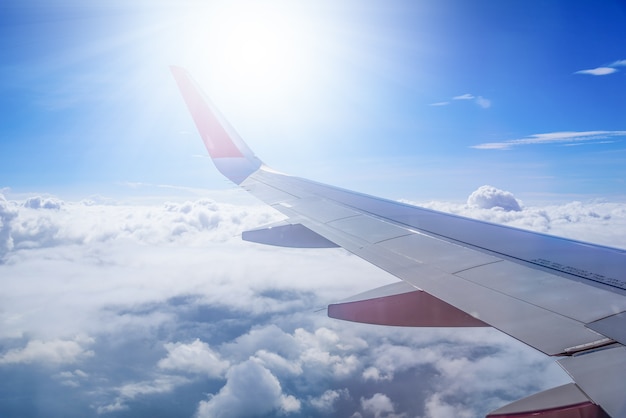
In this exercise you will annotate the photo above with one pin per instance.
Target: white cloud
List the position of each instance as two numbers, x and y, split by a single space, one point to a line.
196 357
569 137
436 408
38 202
52 352
72 378
379 405
489 197
619 63
121 275
478 100
597 71
8 212
278 364
160 385
482 102
326 401
372 373
250 390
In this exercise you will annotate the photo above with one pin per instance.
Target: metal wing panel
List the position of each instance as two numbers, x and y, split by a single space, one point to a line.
444 255
557 294
540 328
592 264
601 375
437 263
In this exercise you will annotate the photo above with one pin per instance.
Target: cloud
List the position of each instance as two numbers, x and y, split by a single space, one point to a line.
8 212
325 403
379 405
565 138
250 390
439 104
173 316
609 69
39 202
52 352
482 102
479 100
160 385
488 197
465 96
196 357
598 71
435 407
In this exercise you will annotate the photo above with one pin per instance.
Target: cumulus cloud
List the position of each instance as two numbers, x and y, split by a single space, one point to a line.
489 197
379 405
38 202
250 390
325 403
7 213
565 138
52 352
196 357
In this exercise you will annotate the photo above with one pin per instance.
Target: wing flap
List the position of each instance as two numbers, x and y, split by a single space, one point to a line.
600 374
400 304
566 401
284 234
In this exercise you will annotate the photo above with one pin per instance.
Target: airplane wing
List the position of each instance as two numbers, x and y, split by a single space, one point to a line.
565 298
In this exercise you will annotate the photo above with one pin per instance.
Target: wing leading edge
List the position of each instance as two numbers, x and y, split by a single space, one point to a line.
563 297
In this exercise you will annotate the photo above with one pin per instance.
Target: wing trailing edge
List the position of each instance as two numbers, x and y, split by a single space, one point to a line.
400 304
566 401
284 234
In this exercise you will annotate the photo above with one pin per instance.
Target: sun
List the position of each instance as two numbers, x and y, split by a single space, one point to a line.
254 47
258 49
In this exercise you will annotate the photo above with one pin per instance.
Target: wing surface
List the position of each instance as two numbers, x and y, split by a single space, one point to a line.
563 297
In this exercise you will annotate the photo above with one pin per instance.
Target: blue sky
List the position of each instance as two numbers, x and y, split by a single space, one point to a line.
125 287
388 98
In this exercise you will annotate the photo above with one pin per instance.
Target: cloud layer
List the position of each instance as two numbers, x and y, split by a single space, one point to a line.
126 310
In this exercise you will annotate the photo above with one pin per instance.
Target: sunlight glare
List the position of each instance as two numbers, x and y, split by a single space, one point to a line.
255 48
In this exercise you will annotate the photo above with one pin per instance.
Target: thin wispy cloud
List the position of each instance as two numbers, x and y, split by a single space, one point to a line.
619 63
598 71
478 100
566 138
604 70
